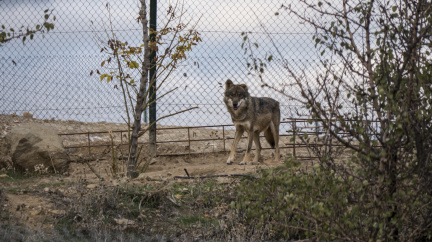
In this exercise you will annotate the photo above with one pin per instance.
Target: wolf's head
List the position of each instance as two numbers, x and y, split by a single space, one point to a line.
236 96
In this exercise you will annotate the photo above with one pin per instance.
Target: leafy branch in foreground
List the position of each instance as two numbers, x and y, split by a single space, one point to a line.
8 34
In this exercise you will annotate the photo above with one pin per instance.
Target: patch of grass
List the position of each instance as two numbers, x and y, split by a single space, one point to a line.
54 184
203 220
139 197
66 223
14 176
19 176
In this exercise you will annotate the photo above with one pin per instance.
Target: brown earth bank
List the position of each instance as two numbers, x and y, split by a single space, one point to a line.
92 200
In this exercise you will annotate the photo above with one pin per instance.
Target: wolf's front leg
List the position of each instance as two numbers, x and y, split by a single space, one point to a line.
238 134
248 149
257 147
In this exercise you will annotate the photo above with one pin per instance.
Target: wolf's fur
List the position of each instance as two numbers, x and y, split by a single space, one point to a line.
253 115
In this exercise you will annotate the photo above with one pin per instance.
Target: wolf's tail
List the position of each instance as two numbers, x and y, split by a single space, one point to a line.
269 137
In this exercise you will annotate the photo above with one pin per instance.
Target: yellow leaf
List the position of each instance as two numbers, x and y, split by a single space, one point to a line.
109 77
133 64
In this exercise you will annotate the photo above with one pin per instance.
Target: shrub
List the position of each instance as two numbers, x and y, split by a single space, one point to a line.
297 203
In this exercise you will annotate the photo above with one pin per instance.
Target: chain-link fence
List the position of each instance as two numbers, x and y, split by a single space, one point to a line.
49 75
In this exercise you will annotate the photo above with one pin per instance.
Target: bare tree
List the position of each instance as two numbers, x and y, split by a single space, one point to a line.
178 38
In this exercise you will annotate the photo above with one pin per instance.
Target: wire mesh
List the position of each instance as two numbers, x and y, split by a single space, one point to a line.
49 76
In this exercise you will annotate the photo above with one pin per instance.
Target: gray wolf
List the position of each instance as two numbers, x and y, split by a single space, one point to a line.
253 115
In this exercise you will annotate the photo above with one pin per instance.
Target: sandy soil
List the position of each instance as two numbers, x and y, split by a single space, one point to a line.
42 198
198 157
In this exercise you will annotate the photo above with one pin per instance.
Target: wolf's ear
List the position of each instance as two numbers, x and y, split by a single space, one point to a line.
228 84
244 87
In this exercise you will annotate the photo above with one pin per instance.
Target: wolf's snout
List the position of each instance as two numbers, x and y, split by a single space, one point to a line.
235 105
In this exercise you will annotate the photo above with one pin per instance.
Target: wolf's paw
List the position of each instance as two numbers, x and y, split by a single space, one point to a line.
276 157
229 162
243 163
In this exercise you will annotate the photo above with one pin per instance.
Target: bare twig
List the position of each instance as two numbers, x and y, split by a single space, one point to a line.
213 176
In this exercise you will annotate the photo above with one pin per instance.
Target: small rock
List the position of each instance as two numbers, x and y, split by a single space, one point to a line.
92 186
27 115
37 211
4 176
123 221
57 212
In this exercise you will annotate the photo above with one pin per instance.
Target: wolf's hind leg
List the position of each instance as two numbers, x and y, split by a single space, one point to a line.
275 132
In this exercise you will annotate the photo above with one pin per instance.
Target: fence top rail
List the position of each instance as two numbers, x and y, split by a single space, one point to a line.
290 120
286 121
162 128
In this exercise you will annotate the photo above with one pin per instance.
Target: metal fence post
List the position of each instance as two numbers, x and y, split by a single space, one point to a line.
223 135
152 78
294 138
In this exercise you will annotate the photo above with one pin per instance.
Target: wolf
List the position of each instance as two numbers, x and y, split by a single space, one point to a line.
253 115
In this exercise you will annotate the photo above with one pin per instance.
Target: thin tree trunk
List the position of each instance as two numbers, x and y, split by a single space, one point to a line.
131 171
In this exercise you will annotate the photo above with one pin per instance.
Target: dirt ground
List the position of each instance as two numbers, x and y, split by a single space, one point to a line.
199 157
41 200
